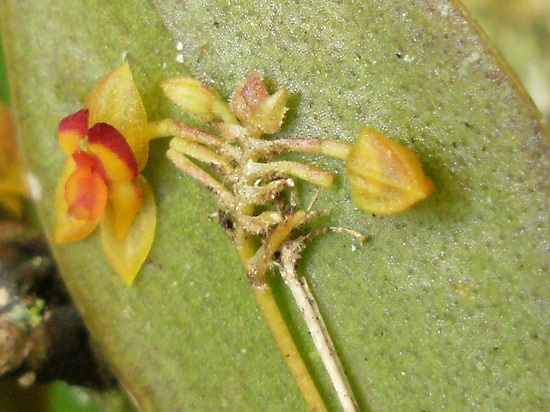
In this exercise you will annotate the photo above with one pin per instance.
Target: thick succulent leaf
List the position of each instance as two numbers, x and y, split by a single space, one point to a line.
445 308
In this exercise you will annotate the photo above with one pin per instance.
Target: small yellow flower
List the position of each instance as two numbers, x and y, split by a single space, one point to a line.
107 146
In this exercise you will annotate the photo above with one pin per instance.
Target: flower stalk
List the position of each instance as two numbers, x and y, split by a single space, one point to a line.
250 180
258 196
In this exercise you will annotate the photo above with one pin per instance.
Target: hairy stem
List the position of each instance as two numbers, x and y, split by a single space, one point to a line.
321 338
305 172
338 150
290 253
259 264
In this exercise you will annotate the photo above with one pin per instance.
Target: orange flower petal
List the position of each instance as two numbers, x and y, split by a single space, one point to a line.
116 101
128 254
86 195
67 228
114 151
87 160
73 130
125 199
385 176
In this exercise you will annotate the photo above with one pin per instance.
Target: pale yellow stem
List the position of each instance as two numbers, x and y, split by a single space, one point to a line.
161 128
267 304
259 264
338 150
202 153
305 172
170 127
281 334
244 245
225 197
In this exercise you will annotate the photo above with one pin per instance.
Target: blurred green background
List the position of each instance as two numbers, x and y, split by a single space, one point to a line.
520 31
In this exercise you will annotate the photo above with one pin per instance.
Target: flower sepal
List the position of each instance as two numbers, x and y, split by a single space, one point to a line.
197 99
127 254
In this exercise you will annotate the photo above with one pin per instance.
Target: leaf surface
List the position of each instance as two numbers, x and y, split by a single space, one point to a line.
445 308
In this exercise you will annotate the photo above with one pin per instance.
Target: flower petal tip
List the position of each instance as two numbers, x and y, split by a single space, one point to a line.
73 130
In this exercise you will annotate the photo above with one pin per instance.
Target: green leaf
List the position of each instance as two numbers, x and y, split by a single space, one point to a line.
445 308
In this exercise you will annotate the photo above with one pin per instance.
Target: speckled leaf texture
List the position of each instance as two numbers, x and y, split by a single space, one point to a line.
446 308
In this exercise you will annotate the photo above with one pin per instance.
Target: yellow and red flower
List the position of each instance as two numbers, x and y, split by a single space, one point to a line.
107 146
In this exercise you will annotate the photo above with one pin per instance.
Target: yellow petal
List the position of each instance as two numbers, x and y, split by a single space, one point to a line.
67 228
125 200
12 181
385 177
128 254
116 101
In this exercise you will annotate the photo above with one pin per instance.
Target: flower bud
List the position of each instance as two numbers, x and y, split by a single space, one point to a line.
198 99
256 108
385 177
